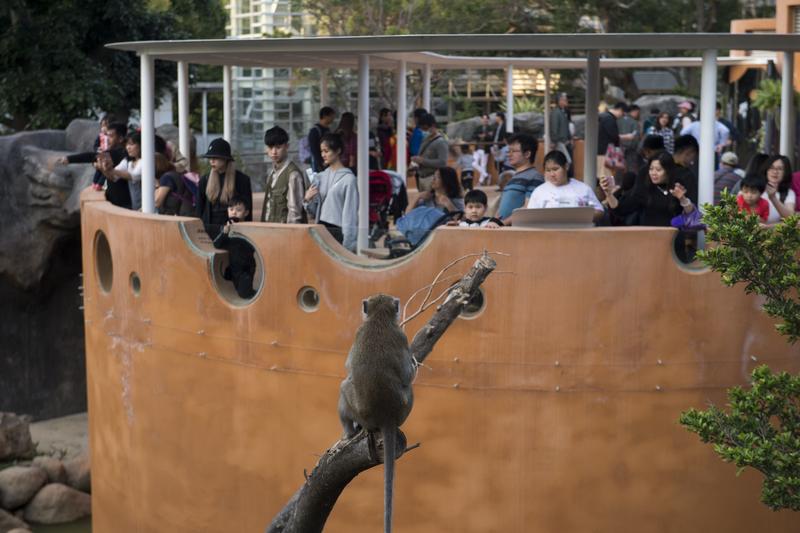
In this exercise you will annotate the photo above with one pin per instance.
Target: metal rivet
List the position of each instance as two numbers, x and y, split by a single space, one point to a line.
456 385
274 343
754 358
557 363
202 354
201 332
658 387
455 359
558 388
660 362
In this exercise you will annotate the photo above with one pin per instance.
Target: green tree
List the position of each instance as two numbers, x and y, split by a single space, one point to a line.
762 428
54 65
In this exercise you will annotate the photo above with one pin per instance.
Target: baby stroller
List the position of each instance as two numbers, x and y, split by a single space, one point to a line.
415 227
380 199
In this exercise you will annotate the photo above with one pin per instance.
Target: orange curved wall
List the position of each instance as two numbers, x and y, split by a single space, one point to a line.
555 410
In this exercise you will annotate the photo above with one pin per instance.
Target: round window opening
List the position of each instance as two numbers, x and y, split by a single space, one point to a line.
685 245
136 284
103 266
308 299
474 306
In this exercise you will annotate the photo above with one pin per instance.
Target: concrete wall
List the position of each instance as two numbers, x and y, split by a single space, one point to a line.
553 410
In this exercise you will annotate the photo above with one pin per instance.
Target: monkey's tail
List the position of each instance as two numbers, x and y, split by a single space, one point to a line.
389 434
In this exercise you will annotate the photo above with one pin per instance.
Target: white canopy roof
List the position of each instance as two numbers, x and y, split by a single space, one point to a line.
386 51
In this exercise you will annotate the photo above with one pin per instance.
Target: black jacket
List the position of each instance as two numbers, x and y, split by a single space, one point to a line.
607 132
117 192
654 207
214 215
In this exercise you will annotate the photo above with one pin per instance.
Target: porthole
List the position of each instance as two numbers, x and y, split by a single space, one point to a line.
136 284
684 250
475 306
308 299
103 265
238 279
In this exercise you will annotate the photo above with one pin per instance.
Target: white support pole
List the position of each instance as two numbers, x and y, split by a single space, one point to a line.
147 107
787 106
184 142
363 152
227 103
546 110
510 99
426 88
205 119
402 120
323 88
708 108
591 125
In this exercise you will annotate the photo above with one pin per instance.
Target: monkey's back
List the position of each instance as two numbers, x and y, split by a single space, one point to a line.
381 371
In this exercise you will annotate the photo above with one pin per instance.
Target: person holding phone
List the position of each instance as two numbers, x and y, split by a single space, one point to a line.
242 263
658 199
332 198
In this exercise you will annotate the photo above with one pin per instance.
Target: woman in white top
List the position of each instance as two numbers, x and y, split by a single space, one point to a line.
130 169
560 191
779 191
332 198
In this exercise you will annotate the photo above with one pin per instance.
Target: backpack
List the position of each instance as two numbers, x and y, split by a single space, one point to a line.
304 149
186 193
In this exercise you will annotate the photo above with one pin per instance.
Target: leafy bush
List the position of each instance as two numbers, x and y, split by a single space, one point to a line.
762 428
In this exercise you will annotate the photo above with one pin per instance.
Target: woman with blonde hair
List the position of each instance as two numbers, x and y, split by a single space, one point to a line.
219 186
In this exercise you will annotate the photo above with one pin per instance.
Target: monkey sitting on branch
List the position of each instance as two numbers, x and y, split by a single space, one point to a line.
380 352
376 395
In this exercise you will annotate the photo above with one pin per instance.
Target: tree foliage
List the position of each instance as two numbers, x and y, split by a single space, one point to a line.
761 431
54 65
763 258
762 428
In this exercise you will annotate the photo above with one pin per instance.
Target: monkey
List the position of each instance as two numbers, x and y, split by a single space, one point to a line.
376 395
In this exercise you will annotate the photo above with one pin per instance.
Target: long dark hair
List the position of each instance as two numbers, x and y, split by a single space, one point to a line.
135 138
334 142
449 179
786 179
667 163
756 165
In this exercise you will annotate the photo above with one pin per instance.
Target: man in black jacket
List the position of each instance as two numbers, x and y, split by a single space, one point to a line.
117 192
607 133
315 134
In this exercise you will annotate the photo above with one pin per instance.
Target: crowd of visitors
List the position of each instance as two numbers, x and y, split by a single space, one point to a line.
647 175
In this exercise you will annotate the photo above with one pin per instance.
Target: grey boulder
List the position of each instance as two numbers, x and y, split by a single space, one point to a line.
57 503
18 484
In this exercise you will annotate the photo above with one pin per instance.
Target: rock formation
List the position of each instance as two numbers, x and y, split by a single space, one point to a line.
40 266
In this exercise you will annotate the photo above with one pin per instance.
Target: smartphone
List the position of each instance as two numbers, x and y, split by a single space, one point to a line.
611 182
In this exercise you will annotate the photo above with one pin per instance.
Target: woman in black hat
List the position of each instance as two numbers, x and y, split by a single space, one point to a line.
219 186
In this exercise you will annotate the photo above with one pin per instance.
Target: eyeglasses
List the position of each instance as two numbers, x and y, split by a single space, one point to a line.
512 151
776 169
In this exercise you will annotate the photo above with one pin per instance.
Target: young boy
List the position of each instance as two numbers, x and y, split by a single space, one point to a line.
242 264
475 203
750 200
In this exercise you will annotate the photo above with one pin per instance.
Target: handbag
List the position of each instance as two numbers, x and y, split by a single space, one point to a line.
615 158
689 221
